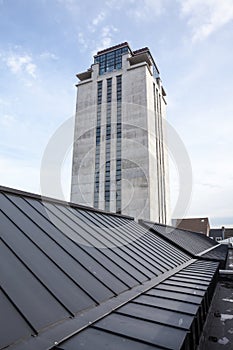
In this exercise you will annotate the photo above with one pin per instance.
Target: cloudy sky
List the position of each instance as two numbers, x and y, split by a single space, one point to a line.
44 43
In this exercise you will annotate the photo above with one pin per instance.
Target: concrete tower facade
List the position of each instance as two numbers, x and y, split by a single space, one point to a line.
119 155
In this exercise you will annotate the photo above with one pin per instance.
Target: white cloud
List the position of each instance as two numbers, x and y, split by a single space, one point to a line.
206 17
82 41
105 38
48 55
142 10
99 18
20 64
108 30
146 9
31 69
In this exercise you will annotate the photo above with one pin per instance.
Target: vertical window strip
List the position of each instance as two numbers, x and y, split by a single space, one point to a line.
108 146
97 146
155 92
160 155
118 145
162 162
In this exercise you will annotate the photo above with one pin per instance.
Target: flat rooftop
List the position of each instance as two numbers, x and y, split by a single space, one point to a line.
218 330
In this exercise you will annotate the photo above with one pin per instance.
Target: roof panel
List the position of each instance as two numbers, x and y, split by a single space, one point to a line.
127 242
192 242
219 253
71 267
94 237
93 338
172 282
191 275
156 315
175 295
186 290
37 304
134 230
138 329
168 304
189 280
16 327
95 260
61 260
66 290
143 238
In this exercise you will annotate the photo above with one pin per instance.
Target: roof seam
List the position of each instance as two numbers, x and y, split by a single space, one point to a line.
84 225
38 279
75 325
131 338
57 265
85 251
18 309
148 259
115 253
149 320
153 230
161 307
40 213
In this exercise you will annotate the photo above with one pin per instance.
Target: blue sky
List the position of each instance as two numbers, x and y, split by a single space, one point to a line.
44 43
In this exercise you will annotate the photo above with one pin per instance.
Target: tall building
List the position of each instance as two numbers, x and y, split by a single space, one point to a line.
119 155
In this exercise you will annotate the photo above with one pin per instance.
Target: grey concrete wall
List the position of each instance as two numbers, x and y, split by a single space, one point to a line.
141 176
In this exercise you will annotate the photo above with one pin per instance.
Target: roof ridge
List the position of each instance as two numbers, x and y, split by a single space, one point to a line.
41 197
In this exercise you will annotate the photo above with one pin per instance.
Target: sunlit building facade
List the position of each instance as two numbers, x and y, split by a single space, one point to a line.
119 154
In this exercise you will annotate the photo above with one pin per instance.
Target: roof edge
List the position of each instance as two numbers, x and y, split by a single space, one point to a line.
178 228
112 48
14 191
58 333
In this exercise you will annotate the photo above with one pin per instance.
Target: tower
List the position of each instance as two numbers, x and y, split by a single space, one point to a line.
119 154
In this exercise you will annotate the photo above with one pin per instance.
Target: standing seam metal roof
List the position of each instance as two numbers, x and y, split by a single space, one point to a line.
167 316
193 242
65 267
59 260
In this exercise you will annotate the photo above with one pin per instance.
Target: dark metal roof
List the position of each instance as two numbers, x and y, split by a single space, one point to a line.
142 50
58 260
191 242
168 316
115 47
219 253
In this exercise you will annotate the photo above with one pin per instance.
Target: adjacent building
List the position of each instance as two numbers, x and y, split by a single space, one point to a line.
119 155
200 225
222 233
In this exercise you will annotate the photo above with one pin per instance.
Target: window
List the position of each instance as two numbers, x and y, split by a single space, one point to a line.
118 147
111 61
97 141
108 140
